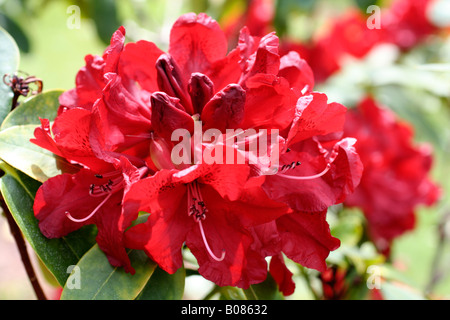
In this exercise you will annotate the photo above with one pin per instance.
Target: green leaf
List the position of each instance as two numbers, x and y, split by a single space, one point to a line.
44 105
17 150
105 17
9 63
99 280
266 290
364 4
17 130
18 190
164 286
16 31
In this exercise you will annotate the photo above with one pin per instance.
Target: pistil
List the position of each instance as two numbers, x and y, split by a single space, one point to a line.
197 209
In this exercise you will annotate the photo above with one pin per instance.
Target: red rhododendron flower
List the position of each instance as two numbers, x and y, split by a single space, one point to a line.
347 37
195 89
91 134
118 125
406 22
207 208
396 172
258 17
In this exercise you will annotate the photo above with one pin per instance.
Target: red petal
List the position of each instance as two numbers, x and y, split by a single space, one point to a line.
168 115
71 138
282 275
313 232
120 121
316 194
225 71
270 103
137 63
163 234
297 71
242 266
225 110
113 52
196 43
315 116
258 55
43 138
60 194
89 84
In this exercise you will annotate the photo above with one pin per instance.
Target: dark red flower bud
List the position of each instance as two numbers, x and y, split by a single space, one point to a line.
201 89
170 80
225 110
168 115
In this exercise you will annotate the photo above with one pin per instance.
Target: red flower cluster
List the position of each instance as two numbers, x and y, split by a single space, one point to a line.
117 127
396 173
404 24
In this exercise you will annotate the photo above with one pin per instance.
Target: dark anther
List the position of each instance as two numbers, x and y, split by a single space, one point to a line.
290 166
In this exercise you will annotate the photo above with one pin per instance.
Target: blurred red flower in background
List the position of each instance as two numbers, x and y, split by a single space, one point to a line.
396 178
404 23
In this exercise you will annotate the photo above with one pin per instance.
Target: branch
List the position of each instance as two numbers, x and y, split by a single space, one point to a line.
436 275
21 245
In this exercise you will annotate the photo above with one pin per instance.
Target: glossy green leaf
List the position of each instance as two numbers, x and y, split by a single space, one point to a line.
44 105
9 62
18 190
164 286
17 130
16 31
99 280
105 16
266 290
17 150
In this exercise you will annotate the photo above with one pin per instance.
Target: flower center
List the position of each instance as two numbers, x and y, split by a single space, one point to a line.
197 209
114 184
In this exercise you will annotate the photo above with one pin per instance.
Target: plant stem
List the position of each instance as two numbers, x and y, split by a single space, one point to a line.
436 275
21 245
308 282
17 234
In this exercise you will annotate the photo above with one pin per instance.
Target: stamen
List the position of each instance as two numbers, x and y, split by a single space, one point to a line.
103 189
197 209
91 214
287 167
306 177
141 135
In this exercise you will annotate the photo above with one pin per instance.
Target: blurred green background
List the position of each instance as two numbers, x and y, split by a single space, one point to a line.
416 85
